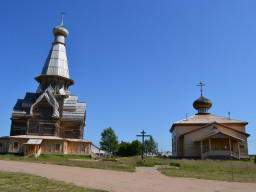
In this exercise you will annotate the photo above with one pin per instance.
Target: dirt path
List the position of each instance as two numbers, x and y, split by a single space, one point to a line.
144 179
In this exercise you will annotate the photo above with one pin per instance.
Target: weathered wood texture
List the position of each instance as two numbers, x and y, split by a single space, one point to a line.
48 146
186 136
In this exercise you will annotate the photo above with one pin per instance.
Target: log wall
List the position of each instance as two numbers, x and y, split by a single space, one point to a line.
4 145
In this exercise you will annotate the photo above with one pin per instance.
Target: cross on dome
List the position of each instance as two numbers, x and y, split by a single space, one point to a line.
62 18
201 85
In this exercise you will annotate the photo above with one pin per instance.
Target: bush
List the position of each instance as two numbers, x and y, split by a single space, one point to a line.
145 164
130 149
176 164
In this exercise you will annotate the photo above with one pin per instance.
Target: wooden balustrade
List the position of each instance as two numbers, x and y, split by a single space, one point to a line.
220 153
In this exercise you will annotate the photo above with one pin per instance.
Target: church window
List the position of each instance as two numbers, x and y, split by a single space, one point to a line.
57 147
41 130
69 134
214 127
16 145
83 148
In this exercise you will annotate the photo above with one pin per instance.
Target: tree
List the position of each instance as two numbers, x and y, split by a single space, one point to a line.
136 148
130 149
124 149
109 140
150 146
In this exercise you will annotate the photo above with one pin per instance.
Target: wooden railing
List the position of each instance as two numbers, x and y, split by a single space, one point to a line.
93 154
220 153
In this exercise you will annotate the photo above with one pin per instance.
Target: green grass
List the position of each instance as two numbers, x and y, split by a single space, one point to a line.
213 170
12 182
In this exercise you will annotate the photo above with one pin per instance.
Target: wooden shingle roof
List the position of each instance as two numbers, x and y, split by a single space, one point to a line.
207 119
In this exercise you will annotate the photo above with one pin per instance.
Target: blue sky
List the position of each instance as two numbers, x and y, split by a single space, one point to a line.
136 63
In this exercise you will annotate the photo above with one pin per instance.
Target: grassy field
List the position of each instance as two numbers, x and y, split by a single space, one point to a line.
243 171
12 182
213 170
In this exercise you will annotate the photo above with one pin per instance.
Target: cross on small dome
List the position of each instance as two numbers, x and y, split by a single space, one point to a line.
202 104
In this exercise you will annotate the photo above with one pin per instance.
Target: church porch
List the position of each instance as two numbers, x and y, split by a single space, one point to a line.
32 147
220 146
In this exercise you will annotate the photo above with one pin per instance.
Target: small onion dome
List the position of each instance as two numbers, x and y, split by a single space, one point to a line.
60 30
202 102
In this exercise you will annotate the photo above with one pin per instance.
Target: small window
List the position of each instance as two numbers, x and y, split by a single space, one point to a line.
41 130
57 147
16 145
1 145
214 127
83 148
69 134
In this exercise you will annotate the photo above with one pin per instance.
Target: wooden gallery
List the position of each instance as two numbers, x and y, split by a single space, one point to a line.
50 121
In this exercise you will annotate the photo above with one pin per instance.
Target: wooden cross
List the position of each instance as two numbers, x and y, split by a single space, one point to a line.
62 18
143 135
201 85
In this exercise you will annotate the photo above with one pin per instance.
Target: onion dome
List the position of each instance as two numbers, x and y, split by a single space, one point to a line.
202 104
60 30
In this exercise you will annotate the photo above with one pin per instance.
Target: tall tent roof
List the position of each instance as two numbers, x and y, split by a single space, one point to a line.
56 62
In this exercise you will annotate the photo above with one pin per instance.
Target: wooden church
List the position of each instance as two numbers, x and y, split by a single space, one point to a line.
51 120
205 135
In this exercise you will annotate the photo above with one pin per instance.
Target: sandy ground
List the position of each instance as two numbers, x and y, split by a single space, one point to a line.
144 179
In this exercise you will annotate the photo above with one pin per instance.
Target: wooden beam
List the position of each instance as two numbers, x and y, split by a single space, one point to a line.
210 146
230 146
238 146
201 149
96 146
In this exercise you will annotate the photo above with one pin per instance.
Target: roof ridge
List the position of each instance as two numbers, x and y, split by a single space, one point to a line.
218 124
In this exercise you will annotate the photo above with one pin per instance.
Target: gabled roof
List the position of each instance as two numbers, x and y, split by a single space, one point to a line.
217 124
220 132
206 119
73 110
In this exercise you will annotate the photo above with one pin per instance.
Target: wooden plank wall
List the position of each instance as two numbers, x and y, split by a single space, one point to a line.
78 148
191 148
20 148
4 145
52 146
